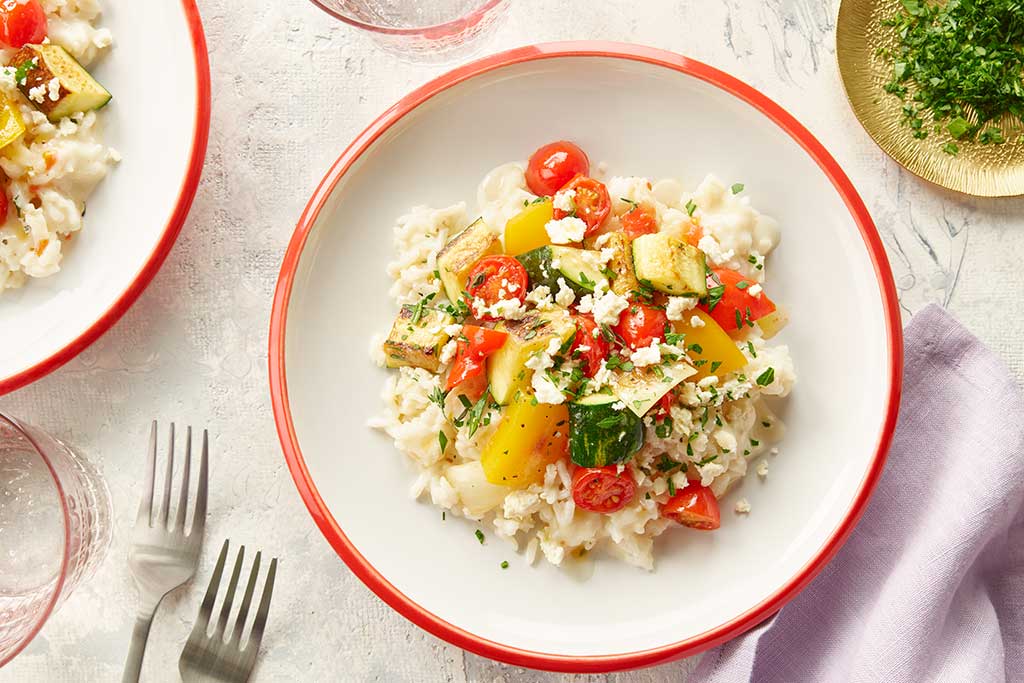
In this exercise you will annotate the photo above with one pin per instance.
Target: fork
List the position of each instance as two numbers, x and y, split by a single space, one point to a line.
211 658
162 558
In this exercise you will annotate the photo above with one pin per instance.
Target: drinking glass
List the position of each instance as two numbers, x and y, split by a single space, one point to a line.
420 30
55 527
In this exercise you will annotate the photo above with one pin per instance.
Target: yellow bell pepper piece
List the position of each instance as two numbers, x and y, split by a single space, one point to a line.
716 347
525 230
12 126
527 439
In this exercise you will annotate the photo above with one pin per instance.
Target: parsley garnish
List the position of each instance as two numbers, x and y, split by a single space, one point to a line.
586 282
739 319
766 377
504 564
737 188
21 73
742 284
714 296
442 439
671 487
715 365
664 429
750 347
696 348
479 536
417 310
690 207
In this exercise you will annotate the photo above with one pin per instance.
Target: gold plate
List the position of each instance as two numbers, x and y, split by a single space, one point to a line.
982 170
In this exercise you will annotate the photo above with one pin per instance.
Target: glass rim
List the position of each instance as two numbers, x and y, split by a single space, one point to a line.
58 587
466 20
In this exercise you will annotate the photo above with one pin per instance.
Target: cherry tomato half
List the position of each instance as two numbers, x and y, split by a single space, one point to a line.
602 489
639 220
590 350
694 506
494 278
591 201
641 324
474 345
553 165
4 206
22 22
737 307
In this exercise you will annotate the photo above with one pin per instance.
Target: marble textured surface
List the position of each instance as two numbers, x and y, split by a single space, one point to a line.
291 88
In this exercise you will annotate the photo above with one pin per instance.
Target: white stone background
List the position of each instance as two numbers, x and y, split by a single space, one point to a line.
291 87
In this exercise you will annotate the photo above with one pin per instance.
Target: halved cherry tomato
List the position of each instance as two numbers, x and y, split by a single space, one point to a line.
591 201
494 278
639 220
737 308
553 165
22 22
474 345
693 234
596 347
663 407
640 324
4 206
602 489
694 506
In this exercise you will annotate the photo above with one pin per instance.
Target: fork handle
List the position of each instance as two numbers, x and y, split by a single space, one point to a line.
133 665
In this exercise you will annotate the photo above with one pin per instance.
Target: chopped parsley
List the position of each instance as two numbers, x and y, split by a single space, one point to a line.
671 487
664 429
715 295
737 188
750 347
766 377
479 536
21 73
715 365
742 284
442 440
690 207
957 68
417 310
504 564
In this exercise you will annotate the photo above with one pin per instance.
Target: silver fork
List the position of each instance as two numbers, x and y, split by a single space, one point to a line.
211 658
162 558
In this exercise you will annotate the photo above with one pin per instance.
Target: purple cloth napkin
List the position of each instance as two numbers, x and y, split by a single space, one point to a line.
930 585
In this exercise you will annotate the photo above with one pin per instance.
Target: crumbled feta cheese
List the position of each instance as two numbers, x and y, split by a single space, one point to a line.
718 256
545 390
742 507
448 351
453 329
602 377
696 321
566 230
602 239
762 469
582 348
774 451
565 296
564 201
607 254
38 93
102 38
53 88
726 440
7 78
510 309
618 405
678 305
647 355
540 296
606 306
708 381
755 290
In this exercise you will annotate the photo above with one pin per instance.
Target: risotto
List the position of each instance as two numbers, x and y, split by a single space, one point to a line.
51 149
585 366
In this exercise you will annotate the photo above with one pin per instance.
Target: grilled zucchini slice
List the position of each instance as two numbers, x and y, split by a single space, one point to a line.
621 263
545 265
506 369
417 341
670 265
601 434
460 254
78 91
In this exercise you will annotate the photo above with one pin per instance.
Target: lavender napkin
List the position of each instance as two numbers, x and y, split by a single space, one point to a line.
930 585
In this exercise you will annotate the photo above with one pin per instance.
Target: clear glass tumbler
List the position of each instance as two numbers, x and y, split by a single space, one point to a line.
420 30
55 527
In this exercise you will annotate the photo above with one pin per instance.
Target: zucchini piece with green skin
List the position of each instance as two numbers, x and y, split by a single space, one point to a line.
545 265
670 265
78 91
417 338
600 434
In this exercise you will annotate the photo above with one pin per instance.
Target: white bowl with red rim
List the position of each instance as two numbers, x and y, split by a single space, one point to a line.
645 112
158 120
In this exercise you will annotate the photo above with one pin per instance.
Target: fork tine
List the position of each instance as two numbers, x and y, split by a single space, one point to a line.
229 596
179 520
146 504
199 516
165 504
206 609
243 611
261 614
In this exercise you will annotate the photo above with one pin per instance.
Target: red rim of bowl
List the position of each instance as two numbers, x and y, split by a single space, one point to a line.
156 259
376 581
448 27
58 586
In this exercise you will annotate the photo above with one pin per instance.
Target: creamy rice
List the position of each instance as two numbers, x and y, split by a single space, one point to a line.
726 418
53 168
